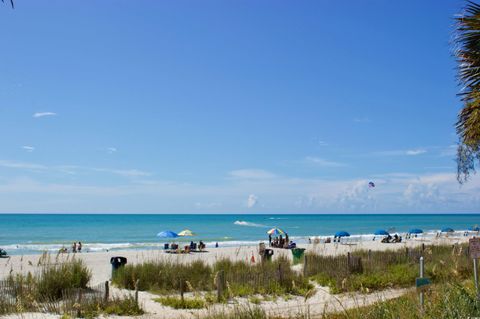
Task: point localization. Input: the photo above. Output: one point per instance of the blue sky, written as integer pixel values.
(229, 106)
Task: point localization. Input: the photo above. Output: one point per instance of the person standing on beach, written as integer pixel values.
(79, 247)
(74, 247)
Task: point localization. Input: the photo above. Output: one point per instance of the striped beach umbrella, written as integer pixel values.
(275, 232)
(186, 232)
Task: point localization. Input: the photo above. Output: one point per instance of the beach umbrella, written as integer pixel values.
(447, 230)
(186, 232)
(415, 231)
(275, 232)
(342, 234)
(167, 234)
(381, 232)
(474, 228)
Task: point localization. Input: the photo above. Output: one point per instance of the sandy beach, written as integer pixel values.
(99, 264)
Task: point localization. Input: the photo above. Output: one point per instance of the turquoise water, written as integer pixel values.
(34, 233)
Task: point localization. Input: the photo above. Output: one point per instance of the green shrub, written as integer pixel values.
(123, 306)
(179, 303)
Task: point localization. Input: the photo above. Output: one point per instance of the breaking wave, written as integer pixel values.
(248, 224)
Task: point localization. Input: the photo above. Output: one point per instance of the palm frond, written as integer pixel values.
(468, 59)
(11, 3)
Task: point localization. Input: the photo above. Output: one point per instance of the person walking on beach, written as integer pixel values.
(79, 247)
(74, 247)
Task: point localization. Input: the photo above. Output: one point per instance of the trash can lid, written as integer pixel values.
(118, 259)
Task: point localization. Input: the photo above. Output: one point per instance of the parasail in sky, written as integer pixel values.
(371, 184)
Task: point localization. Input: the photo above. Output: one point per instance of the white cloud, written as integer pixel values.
(252, 200)
(72, 169)
(415, 152)
(88, 191)
(411, 152)
(28, 148)
(251, 174)
(323, 162)
(358, 196)
(111, 150)
(423, 195)
(124, 172)
(42, 114)
(22, 165)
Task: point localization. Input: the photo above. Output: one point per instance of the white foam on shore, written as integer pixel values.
(27, 248)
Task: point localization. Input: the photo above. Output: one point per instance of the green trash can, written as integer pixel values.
(298, 255)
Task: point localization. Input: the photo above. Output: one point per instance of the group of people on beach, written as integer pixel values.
(280, 242)
(77, 247)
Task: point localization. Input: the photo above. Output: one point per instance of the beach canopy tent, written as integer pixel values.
(167, 234)
(474, 228)
(381, 232)
(275, 232)
(186, 232)
(415, 231)
(447, 230)
(342, 234)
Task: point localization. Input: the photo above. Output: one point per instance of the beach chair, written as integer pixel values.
(166, 246)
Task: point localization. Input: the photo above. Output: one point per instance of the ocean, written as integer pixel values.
(36, 233)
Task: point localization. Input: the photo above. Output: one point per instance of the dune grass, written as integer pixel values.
(241, 278)
(52, 280)
(57, 288)
(386, 269)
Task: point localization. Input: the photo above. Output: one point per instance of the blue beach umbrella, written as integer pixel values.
(167, 234)
(415, 231)
(342, 234)
(381, 232)
(447, 230)
(474, 228)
